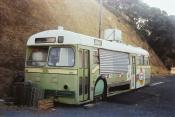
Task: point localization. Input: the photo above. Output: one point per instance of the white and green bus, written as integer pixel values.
(75, 68)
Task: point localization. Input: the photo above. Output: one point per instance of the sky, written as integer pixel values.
(166, 5)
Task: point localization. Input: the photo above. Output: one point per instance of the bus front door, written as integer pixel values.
(84, 76)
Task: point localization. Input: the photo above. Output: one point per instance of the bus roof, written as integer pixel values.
(76, 38)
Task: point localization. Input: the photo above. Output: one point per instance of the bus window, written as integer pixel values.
(145, 60)
(86, 60)
(37, 56)
(137, 60)
(148, 61)
(81, 58)
(54, 56)
(61, 57)
(95, 57)
(141, 60)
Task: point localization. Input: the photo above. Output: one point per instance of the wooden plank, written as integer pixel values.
(45, 104)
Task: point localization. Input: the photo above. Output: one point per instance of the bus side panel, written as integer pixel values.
(114, 66)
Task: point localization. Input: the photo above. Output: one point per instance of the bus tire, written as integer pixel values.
(100, 89)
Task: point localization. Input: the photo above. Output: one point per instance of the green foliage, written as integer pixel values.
(152, 24)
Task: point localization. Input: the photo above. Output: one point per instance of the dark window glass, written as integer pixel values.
(45, 40)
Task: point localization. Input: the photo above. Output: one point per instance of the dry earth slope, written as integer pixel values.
(21, 18)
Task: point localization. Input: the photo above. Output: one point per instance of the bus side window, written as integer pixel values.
(95, 57)
(141, 60)
(148, 61)
(145, 60)
(137, 60)
(86, 60)
(81, 58)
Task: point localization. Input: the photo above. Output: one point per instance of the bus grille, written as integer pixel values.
(57, 93)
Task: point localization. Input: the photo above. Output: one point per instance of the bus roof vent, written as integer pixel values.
(60, 28)
(113, 35)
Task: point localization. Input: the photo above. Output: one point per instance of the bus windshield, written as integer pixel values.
(37, 56)
(61, 57)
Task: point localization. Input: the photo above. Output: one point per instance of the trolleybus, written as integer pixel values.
(75, 68)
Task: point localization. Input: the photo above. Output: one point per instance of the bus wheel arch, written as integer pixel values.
(100, 84)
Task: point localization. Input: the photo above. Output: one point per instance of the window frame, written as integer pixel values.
(28, 52)
(60, 51)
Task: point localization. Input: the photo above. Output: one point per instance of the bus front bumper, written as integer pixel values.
(58, 93)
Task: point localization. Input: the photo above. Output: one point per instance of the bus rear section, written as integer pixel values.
(53, 69)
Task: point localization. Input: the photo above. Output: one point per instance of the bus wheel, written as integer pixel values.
(99, 90)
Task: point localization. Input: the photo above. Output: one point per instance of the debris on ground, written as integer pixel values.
(87, 106)
(2, 102)
(45, 104)
(9, 101)
(26, 94)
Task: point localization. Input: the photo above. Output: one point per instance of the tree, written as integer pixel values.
(152, 24)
